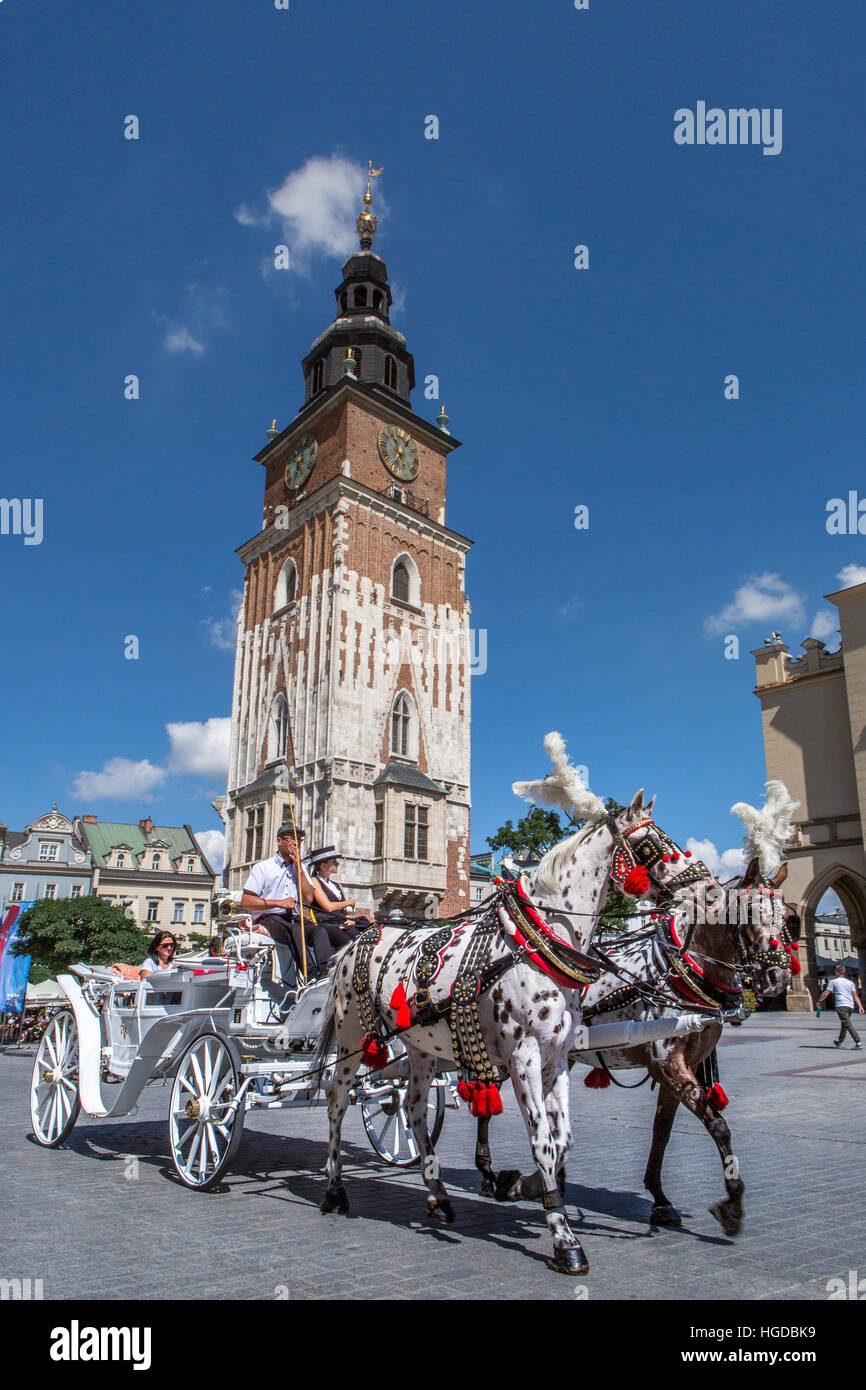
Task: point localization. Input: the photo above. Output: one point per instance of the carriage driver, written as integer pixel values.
(271, 892)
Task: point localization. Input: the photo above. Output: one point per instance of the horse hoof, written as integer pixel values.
(666, 1216)
(508, 1185)
(440, 1209)
(569, 1261)
(488, 1188)
(730, 1221)
(335, 1201)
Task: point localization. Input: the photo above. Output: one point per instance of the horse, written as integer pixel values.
(493, 993)
(751, 929)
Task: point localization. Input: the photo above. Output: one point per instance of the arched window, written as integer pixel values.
(401, 727)
(278, 734)
(378, 301)
(391, 373)
(287, 584)
(400, 584)
(319, 375)
(154, 863)
(406, 581)
(361, 297)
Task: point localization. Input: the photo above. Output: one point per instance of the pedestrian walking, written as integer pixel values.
(845, 998)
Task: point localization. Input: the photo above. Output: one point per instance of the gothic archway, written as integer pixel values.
(850, 888)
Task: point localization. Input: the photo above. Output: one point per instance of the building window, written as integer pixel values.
(391, 373)
(278, 730)
(17, 893)
(361, 297)
(380, 830)
(344, 302)
(287, 585)
(479, 893)
(154, 863)
(255, 834)
(401, 719)
(198, 912)
(400, 582)
(152, 910)
(319, 375)
(359, 359)
(75, 891)
(47, 851)
(378, 301)
(190, 866)
(177, 913)
(415, 832)
(51, 891)
(121, 860)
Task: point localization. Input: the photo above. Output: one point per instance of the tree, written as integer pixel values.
(59, 933)
(539, 831)
(197, 941)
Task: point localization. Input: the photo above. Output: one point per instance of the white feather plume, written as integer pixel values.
(563, 787)
(768, 829)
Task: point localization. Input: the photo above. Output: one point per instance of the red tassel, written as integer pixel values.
(717, 1098)
(374, 1053)
(464, 1090)
(597, 1079)
(398, 1002)
(796, 967)
(636, 882)
(486, 1099)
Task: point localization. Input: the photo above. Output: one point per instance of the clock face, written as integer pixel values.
(399, 453)
(301, 460)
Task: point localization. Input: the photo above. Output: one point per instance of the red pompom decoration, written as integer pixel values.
(464, 1090)
(796, 967)
(637, 882)
(687, 853)
(717, 1098)
(596, 1080)
(398, 1002)
(374, 1053)
(486, 1100)
(666, 858)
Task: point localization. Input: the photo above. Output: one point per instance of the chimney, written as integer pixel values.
(88, 820)
(146, 825)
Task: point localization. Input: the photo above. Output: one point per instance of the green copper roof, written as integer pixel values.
(103, 836)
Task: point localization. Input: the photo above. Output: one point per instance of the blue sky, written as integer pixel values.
(602, 387)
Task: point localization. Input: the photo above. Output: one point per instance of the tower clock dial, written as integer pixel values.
(399, 453)
(301, 461)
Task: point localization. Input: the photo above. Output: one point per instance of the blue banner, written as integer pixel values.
(14, 970)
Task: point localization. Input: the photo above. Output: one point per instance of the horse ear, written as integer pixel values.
(780, 876)
(751, 874)
(648, 808)
(635, 805)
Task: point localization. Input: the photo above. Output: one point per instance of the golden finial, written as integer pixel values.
(366, 224)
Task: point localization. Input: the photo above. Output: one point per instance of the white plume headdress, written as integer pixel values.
(770, 828)
(563, 787)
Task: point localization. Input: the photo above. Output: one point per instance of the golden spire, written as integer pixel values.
(366, 224)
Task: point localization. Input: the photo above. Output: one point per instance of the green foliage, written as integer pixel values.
(197, 941)
(61, 933)
(538, 831)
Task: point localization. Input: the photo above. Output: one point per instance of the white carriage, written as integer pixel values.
(230, 1034)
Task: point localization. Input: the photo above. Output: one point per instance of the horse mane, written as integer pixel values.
(768, 829)
(565, 789)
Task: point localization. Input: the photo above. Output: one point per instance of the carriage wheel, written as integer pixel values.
(203, 1129)
(383, 1110)
(54, 1099)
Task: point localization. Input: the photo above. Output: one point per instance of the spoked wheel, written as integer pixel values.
(383, 1110)
(54, 1099)
(204, 1129)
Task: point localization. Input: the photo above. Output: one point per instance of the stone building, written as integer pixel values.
(351, 699)
(813, 709)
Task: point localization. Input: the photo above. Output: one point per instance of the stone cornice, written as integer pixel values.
(342, 488)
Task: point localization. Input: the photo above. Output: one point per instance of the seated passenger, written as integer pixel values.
(160, 956)
(337, 913)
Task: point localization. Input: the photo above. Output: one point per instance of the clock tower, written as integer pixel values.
(351, 692)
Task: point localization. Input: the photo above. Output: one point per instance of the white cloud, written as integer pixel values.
(202, 749)
(764, 598)
(398, 297)
(851, 575)
(317, 207)
(729, 863)
(568, 609)
(824, 624)
(222, 632)
(122, 778)
(181, 340)
(213, 842)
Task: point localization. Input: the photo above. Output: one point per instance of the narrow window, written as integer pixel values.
(319, 375)
(198, 912)
(344, 302)
(154, 863)
(380, 830)
(378, 301)
(190, 866)
(17, 892)
(152, 910)
(359, 358)
(391, 373)
(409, 832)
(121, 860)
(422, 832)
(177, 914)
(400, 719)
(361, 297)
(400, 582)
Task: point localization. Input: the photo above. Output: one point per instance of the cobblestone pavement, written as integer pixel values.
(78, 1220)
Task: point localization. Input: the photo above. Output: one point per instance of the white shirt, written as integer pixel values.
(842, 990)
(271, 879)
(150, 964)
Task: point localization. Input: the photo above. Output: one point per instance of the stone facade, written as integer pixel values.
(351, 702)
(813, 709)
(47, 859)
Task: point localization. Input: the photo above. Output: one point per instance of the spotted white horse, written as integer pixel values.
(525, 1018)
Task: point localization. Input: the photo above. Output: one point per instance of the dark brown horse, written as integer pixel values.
(670, 966)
